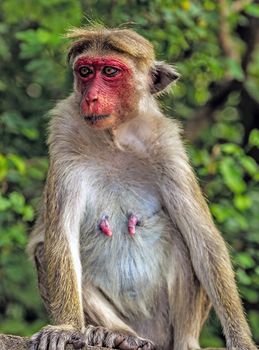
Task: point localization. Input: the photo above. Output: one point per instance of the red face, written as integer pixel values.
(106, 86)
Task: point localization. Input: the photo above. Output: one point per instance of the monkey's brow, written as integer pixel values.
(78, 48)
(109, 46)
(81, 46)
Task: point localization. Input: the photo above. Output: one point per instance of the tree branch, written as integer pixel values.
(205, 114)
(251, 40)
(12, 342)
(225, 38)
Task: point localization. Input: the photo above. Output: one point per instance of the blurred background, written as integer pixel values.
(215, 47)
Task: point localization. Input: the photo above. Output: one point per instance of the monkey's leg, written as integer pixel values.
(42, 275)
(109, 330)
(188, 318)
(189, 303)
(59, 336)
(119, 335)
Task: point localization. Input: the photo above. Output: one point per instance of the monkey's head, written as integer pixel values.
(114, 71)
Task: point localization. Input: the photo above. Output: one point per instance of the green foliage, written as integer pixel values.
(225, 143)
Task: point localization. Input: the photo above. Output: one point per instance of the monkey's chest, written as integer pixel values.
(125, 265)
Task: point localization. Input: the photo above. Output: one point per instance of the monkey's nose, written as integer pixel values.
(91, 97)
(91, 101)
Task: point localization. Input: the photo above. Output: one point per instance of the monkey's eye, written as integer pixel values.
(110, 71)
(84, 71)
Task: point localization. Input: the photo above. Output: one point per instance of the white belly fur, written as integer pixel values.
(128, 270)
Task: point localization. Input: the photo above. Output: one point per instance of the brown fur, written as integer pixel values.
(119, 41)
(159, 283)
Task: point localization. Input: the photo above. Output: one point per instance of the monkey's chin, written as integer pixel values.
(99, 121)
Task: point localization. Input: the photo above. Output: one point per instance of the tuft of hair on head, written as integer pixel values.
(123, 41)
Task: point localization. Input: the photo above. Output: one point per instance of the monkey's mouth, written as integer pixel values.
(95, 118)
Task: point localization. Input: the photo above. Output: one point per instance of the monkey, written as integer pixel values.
(126, 250)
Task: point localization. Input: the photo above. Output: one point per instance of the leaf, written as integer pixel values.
(231, 148)
(245, 260)
(235, 69)
(232, 175)
(254, 138)
(243, 277)
(31, 133)
(252, 9)
(242, 202)
(220, 212)
(253, 317)
(3, 167)
(249, 164)
(250, 295)
(17, 234)
(4, 204)
(18, 162)
(28, 213)
(17, 200)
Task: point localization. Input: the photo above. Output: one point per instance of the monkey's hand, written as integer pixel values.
(243, 346)
(103, 337)
(56, 338)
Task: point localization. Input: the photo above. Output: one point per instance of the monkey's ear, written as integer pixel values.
(162, 75)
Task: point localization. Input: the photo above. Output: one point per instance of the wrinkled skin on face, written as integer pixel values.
(106, 85)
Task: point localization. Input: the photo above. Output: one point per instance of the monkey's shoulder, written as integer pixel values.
(145, 133)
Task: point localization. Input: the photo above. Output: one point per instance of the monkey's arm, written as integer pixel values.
(63, 264)
(210, 259)
(63, 208)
